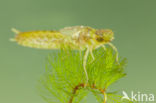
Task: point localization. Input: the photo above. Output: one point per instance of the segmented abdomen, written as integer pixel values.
(41, 39)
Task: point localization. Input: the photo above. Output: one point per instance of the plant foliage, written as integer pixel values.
(64, 78)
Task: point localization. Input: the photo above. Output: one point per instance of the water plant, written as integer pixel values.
(64, 78)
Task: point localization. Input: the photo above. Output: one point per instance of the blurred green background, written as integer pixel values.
(133, 21)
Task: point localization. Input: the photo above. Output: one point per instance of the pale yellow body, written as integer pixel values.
(76, 38)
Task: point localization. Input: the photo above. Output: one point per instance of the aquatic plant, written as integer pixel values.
(64, 78)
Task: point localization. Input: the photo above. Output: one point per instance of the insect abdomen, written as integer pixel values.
(40, 39)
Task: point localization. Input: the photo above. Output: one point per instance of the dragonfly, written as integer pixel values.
(82, 38)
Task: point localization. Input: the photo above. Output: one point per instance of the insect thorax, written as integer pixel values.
(80, 36)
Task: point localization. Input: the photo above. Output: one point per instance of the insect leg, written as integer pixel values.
(115, 49)
(104, 47)
(84, 64)
(91, 53)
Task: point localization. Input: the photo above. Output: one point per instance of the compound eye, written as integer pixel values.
(100, 39)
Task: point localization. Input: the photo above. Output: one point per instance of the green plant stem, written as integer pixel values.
(74, 91)
(82, 85)
(105, 96)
